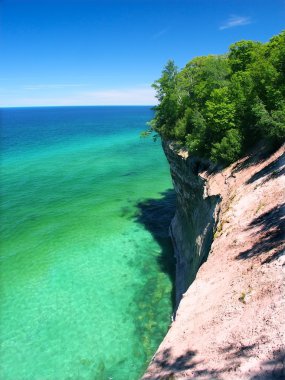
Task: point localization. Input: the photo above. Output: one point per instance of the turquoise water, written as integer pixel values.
(85, 258)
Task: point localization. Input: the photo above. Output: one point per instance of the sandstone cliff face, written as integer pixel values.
(193, 226)
(230, 323)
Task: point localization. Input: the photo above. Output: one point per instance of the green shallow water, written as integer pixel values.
(85, 268)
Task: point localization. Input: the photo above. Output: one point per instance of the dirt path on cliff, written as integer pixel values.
(230, 322)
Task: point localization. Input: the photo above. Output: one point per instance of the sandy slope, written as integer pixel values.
(231, 321)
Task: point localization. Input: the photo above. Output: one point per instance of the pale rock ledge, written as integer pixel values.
(229, 226)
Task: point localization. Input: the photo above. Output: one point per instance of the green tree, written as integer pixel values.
(220, 113)
(241, 54)
(229, 149)
(218, 106)
(166, 110)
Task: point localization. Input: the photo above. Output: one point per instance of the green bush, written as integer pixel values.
(228, 150)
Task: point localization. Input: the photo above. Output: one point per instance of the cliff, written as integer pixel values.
(193, 225)
(228, 237)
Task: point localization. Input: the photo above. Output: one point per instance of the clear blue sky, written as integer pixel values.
(59, 52)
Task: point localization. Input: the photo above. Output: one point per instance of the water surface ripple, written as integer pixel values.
(86, 278)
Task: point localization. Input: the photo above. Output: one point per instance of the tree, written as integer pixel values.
(218, 106)
(220, 113)
(166, 111)
(241, 54)
(229, 149)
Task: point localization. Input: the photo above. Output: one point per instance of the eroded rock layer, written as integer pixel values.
(193, 225)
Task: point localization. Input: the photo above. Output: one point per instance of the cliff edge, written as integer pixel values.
(228, 237)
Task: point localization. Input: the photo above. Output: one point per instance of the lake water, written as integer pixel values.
(86, 263)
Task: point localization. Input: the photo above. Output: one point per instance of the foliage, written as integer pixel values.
(219, 105)
(229, 148)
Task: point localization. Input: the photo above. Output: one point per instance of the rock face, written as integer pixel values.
(229, 226)
(192, 228)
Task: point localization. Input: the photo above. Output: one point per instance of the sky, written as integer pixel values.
(109, 52)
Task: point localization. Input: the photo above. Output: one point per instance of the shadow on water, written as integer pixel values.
(156, 215)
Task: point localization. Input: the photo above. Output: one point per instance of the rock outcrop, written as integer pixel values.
(193, 226)
(230, 224)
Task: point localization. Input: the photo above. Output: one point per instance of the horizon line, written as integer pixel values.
(87, 105)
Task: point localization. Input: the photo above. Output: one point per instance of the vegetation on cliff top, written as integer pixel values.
(219, 105)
